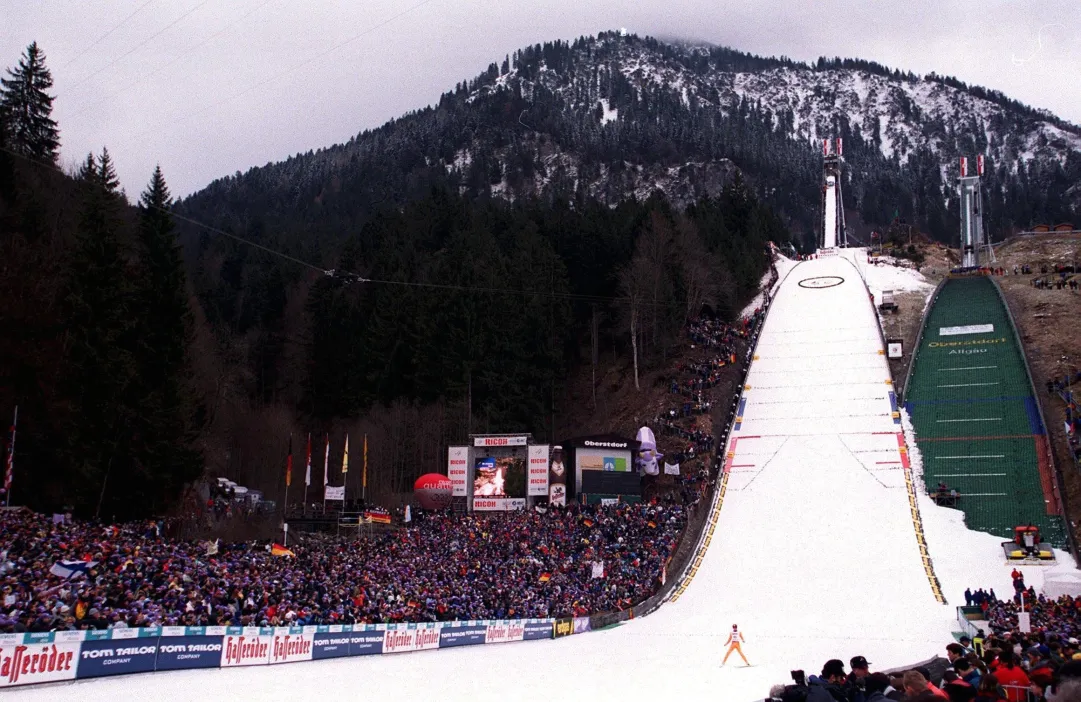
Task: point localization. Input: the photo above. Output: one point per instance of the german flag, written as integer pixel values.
(545, 577)
(279, 550)
(587, 522)
(652, 525)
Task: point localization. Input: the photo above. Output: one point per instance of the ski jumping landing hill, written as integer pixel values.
(816, 553)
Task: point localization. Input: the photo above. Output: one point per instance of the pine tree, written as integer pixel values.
(164, 299)
(163, 432)
(26, 108)
(99, 367)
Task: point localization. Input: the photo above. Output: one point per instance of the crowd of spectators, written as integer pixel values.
(995, 669)
(1063, 387)
(442, 567)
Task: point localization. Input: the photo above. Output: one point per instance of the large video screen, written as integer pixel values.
(499, 476)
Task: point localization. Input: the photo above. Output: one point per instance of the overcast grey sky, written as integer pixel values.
(209, 87)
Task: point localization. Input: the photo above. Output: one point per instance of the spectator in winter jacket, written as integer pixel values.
(960, 691)
(856, 683)
(916, 689)
(896, 690)
(1040, 669)
(1011, 677)
(989, 689)
(955, 651)
(967, 673)
(876, 685)
(830, 686)
(940, 694)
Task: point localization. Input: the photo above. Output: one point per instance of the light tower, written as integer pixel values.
(972, 237)
(833, 219)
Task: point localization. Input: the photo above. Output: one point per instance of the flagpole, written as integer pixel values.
(10, 468)
(288, 479)
(364, 475)
(307, 473)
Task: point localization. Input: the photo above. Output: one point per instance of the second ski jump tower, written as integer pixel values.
(833, 212)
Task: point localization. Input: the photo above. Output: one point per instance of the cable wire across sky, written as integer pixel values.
(351, 277)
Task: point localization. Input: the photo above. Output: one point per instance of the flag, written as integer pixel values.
(326, 463)
(308, 470)
(364, 473)
(71, 569)
(670, 469)
(279, 550)
(345, 456)
(545, 577)
(587, 522)
(10, 458)
(598, 569)
(289, 464)
(652, 525)
(212, 548)
(378, 517)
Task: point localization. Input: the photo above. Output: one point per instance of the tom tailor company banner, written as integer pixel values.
(26, 659)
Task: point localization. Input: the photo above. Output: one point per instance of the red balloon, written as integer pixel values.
(433, 491)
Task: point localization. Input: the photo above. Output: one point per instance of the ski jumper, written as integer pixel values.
(734, 640)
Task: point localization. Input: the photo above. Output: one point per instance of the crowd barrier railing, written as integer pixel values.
(26, 659)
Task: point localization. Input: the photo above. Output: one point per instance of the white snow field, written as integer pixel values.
(814, 555)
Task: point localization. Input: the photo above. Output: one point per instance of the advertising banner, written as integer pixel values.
(500, 440)
(603, 462)
(557, 478)
(538, 471)
(28, 663)
(535, 631)
(562, 627)
(504, 632)
(402, 640)
(366, 643)
(581, 625)
(497, 504)
(461, 636)
(333, 493)
(457, 470)
(243, 649)
(289, 647)
(99, 658)
(183, 652)
(327, 645)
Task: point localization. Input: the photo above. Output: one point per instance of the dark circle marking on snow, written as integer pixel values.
(823, 281)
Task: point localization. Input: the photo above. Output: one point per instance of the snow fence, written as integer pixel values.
(27, 659)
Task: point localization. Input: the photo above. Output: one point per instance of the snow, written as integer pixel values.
(815, 553)
(783, 264)
(891, 274)
(611, 114)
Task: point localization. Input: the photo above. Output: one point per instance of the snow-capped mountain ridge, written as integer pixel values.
(619, 116)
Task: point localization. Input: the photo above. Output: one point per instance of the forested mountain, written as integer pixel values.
(614, 116)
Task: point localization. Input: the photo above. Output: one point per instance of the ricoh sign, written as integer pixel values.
(487, 441)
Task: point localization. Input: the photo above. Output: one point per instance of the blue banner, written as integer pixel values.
(365, 643)
(182, 652)
(329, 645)
(462, 635)
(537, 630)
(116, 657)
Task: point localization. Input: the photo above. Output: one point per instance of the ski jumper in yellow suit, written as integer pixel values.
(734, 640)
